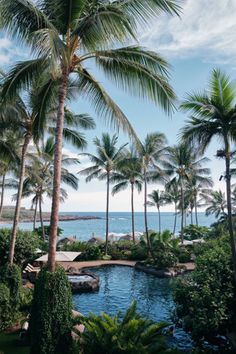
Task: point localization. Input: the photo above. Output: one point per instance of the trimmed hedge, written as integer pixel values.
(51, 314)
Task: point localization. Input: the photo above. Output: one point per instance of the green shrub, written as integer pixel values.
(194, 232)
(10, 275)
(91, 253)
(5, 307)
(164, 259)
(51, 314)
(114, 335)
(138, 252)
(206, 301)
(183, 254)
(26, 244)
(77, 246)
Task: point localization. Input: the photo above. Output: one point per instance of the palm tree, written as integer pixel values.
(9, 162)
(128, 173)
(157, 199)
(183, 162)
(151, 152)
(216, 203)
(213, 115)
(66, 35)
(195, 185)
(104, 163)
(172, 195)
(39, 177)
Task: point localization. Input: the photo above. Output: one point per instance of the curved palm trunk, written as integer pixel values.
(229, 207)
(196, 211)
(159, 219)
(18, 199)
(107, 211)
(41, 217)
(145, 213)
(132, 211)
(2, 193)
(35, 213)
(57, 173)
(175, 220)
(182, 212)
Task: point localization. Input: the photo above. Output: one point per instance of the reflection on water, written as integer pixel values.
(120, 285)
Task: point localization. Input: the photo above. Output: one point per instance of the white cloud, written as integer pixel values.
(206, 28)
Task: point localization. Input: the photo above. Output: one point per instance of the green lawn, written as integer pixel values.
(8, 345)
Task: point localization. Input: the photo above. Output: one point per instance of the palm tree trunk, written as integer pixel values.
(175, 220)
(159, 219)
(18, 199)
(2, 193)
(57, 172)
(182, 212)
(41, 217)
(35, 213)
(132, 211)
(196, 212)
(145, 213)
(229, 207)
(191, 215)
(107, 211)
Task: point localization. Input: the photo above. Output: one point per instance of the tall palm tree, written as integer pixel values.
(39, 177)
(198, 184)
(213, 115)
(182, 162)
(104, 163)
(172, 195)
(151, 153)
(9, 162)
(157, 199)
(128, 173)
(64, 36)
(216, 203)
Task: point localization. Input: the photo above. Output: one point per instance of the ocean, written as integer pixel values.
(120, 223)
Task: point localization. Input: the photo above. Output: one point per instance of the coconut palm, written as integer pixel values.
(216, 203)
(195, 185)
(128, 173)
(104, 163)
(66, 35)
(157, 199)
(39, 177)
(182, 162)
(9, 161)
(213, 116)
(172, 195)
(151, 152)
(25, 120)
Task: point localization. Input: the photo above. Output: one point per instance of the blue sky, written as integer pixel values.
(202, 39)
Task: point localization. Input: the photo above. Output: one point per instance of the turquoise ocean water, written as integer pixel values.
(120, 222)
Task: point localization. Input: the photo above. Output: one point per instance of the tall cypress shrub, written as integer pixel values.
(51, 314)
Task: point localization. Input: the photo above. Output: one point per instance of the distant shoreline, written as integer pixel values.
(47, 219)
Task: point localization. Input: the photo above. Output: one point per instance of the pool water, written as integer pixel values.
(120, 285)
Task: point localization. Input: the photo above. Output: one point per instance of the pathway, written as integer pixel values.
(90, 264)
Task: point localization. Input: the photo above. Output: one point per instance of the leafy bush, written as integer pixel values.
(51, 314)
(5, 307)
(114, 335)
(138, 252)
(77, 246)
(194, 232)
(206, 300)
(10, 275)
(26, 244)
(91, 253)
(164, 259)
(183, 254)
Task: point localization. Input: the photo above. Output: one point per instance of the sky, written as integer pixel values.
(203, 38)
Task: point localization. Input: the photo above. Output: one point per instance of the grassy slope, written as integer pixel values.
(8, 346)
